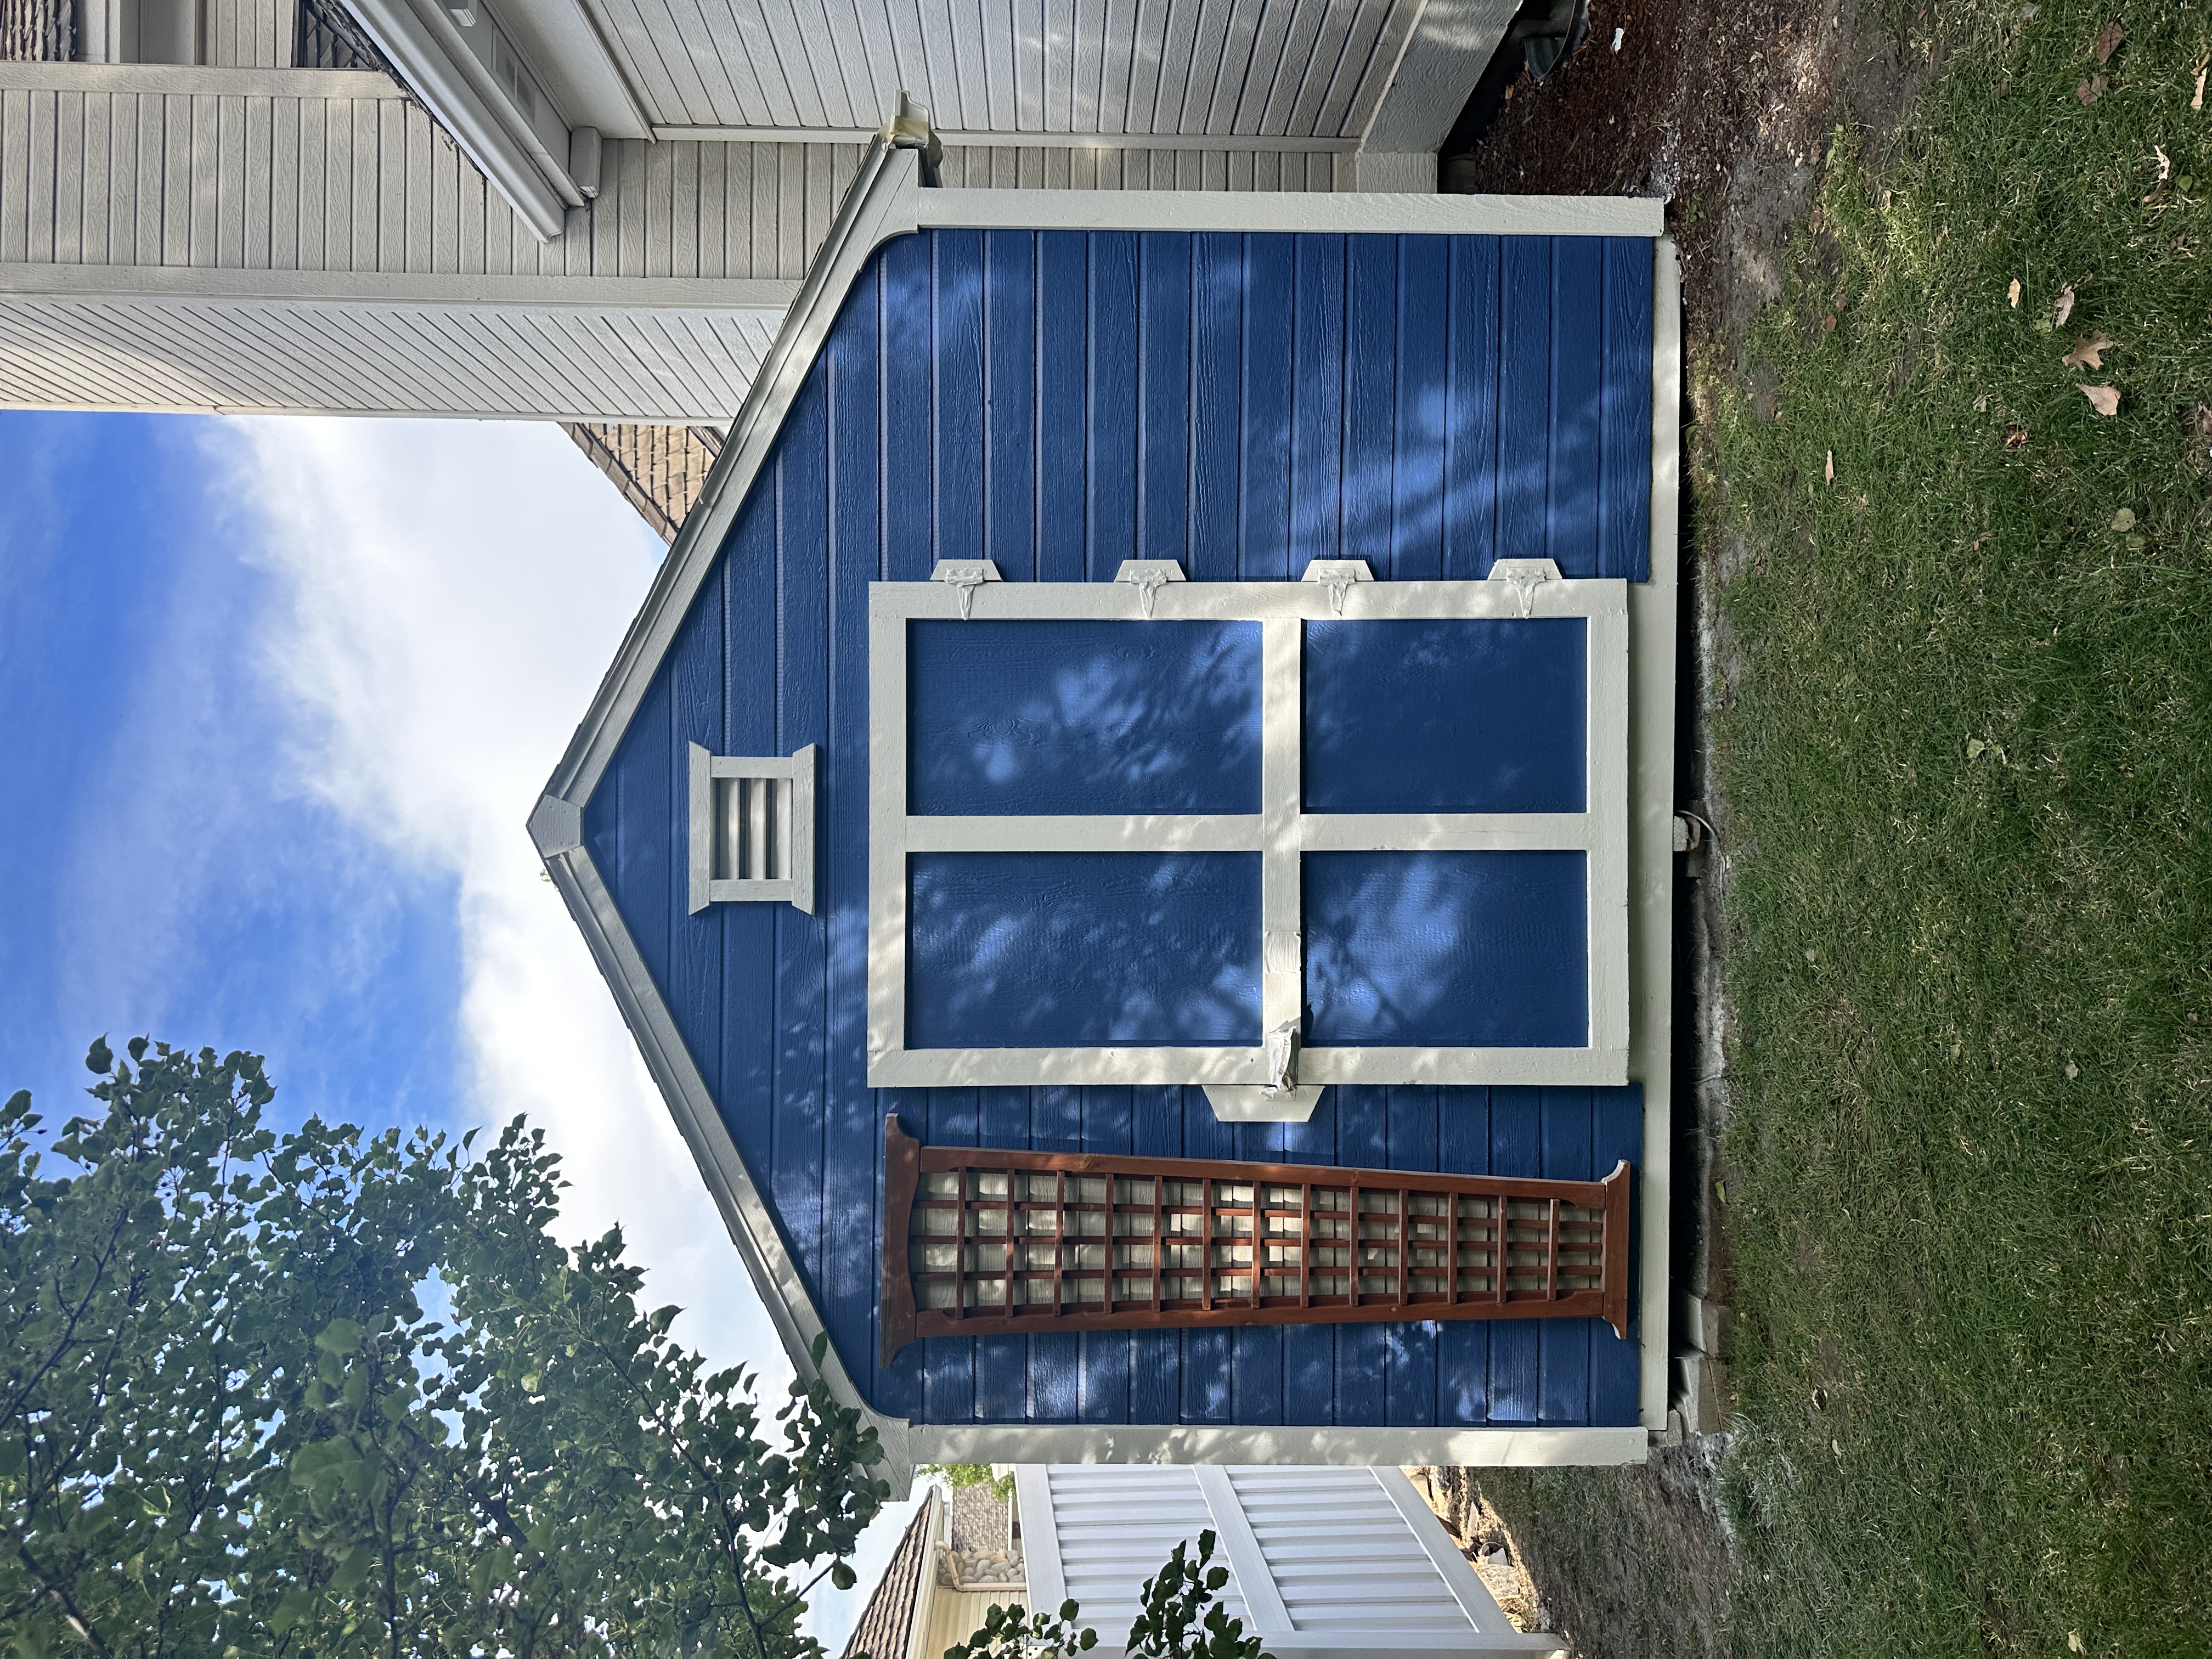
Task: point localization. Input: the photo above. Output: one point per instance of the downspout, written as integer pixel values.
(445, 74)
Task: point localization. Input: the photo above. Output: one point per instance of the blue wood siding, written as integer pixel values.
(1060, 402)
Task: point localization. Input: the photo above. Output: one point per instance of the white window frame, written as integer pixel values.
(796, 887)
(1281, 832)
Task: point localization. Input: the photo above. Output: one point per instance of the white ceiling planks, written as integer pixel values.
(1279, 68)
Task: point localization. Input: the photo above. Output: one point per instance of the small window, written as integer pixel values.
(752, 830)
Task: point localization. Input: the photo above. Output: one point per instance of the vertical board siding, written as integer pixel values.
(1215, 70)
(1059, 402)
(228, 178)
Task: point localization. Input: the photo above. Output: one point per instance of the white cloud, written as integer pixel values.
(454, 592)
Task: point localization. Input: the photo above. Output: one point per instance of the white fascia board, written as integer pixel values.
(766, 297)
(571, 59)
(1651, 622)
(1445, 55)
(445, 74)
(188, 79)
(1141, 1442)
(1337, 214)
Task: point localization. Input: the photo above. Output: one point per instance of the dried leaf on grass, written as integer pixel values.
(1982, 405)
(2197, 102)
(2108, 42)
(2165, 163)
(2065, 305)
(2089, 353)
(2015, 437)
(2105, 399)
(2091, 89)
(1832, 467)
(2011, 294)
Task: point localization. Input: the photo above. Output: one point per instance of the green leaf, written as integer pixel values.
(100, 1058)
(340, 1336)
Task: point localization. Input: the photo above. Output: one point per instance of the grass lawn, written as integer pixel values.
(1971, 954)
(1969, 760)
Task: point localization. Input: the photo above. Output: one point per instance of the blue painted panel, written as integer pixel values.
(1422, 417)
(1078, 717)
(1463, 1346)
(1618, 1132)
(1456, 716)
(1524, 399)
(1010, 365)
(1061, 403)
(1082, 950)
(1471, 430)
(1625, 494)
(1577, 353)
(1317, 403)
(1563, 1353)
(1453, 950)
(1516, 1149)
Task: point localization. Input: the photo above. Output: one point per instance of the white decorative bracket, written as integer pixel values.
(1148, 576)
(964, 577)
(1526, 575)
(1340, 576)
(1239, 1103)
(1281, 1055)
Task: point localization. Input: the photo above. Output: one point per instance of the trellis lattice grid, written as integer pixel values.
(977, 1240)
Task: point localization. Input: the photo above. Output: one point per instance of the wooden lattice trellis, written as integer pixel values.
(977, 1241)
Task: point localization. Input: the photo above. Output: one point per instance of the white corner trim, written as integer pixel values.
(184, 80)
(976, 138)
(469, 103)
(1047, 1578)
(1467, 1589)
(1247, 1563)
(1142, 1443)
(768, 299)
(1342, 213)
(1652, 623)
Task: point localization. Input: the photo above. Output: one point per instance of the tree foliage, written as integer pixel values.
(1182, 1616)
(320, 1392)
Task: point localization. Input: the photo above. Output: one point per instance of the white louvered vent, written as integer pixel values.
(1341, 1555)
(752, 828)
(1325, 1562)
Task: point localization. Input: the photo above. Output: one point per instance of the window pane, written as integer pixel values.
(1060, 718)
(1082, 950)
(1451, 716)
(1447, 950)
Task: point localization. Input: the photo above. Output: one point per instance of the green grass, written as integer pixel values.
(1970, 766)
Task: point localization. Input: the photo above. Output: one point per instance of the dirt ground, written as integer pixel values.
(1726, 108)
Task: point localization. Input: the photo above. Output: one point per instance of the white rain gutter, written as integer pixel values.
(438, 66)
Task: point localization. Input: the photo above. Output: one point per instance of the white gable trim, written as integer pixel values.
(887, 199)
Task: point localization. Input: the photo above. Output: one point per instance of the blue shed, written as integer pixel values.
(1133, 829)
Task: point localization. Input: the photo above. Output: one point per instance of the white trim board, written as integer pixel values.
(1281, 833)
(886, 200)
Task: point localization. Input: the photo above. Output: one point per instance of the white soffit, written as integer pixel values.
(1305, 71)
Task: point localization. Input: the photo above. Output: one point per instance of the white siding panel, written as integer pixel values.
(1341, 1554)
(1115, 1526)
(1217, 66)
(1331, 1557)
(566, 363)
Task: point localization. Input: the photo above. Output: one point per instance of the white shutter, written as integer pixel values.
(1326, 1563)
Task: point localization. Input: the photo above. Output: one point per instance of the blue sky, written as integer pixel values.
(276, 698)
(169, 870)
